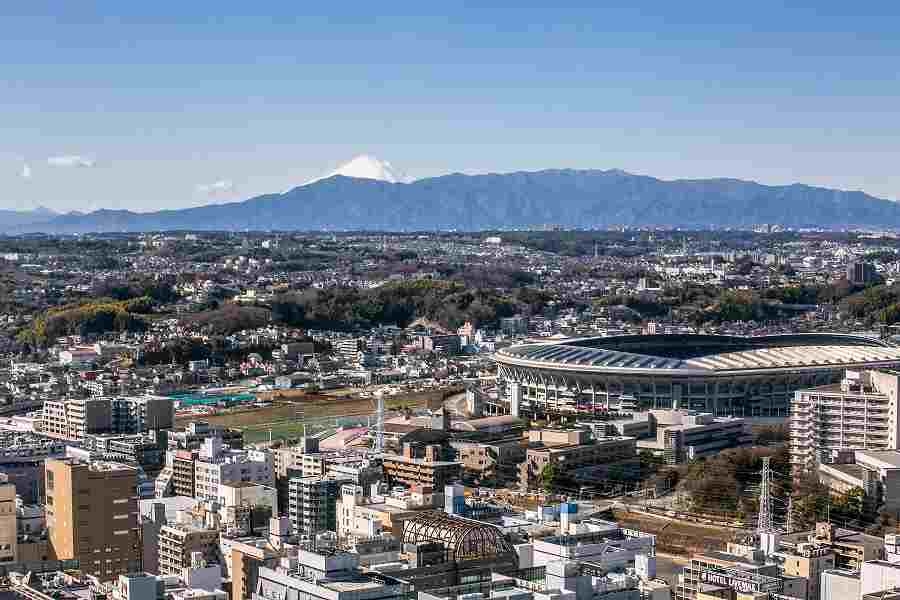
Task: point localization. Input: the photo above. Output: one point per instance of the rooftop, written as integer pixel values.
(703, 353)
(889, 459)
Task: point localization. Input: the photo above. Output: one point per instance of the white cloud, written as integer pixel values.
(26, 171)
(223, 186)
(71, 160)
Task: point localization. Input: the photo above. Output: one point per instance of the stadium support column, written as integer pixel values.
(515, 397)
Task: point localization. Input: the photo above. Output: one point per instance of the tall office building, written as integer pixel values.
(860, 413)
(92, 515)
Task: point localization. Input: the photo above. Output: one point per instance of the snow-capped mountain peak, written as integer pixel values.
(365, 166)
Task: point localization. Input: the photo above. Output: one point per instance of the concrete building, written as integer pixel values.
(839, 584)
(860, 272)
(216, 464)
(441, 344)
(683, 435)
(808, 561)
(884, 468)
(364, 473)
(570, 450)
(192, 436)
(244, 556)
(859, 413)
(851, 548)
(490, 461)
(358, 513)
(184, 472)
(74, 419)
(313, 505)
(878, 576)
(22, 456)
(92, 515)
(8, 526)
(353, 522)
(738, 573)
(335, 576)
(178, 542)
(246, 493)
(724, 375)
(287, 464)
(152, 521)
(420, 465)
(443, 550)
(603, 543)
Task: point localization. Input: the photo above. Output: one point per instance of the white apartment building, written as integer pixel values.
(216, 465)
(860, 413)
(351, 522)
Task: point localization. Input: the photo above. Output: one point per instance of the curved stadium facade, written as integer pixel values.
(724, 375)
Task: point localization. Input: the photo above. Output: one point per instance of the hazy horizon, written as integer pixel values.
(173, 105)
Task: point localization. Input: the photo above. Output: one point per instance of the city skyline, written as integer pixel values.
(123, 107)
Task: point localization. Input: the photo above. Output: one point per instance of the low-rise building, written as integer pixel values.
(423, 468)
(569, 450)
(683, 435)
(74, 419)
(335, 576)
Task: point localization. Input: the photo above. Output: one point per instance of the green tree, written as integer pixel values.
(549, 477)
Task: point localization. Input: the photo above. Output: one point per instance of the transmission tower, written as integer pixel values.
(379, 422)
(765, 524)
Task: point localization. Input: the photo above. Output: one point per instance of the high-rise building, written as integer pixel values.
(860, 413)
(860, 273)
(313, 504)
(7, 520)
(92, 515)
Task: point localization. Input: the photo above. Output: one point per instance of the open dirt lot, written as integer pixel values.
(289, 410)
(675, 537)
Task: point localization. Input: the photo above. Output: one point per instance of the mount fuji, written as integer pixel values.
(366, 166)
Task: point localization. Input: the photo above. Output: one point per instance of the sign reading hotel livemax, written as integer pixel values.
(741, 581)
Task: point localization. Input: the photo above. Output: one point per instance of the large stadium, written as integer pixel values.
(724, 375)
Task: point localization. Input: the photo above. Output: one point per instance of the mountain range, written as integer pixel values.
(375, 197)
(15, 218)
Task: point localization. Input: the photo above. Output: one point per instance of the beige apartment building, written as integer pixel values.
(8, 545)
(568, 450)
(92, 515)
(178, 542)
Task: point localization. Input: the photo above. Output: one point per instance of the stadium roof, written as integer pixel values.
(703, 353)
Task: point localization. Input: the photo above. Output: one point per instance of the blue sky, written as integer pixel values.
(151, 105)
